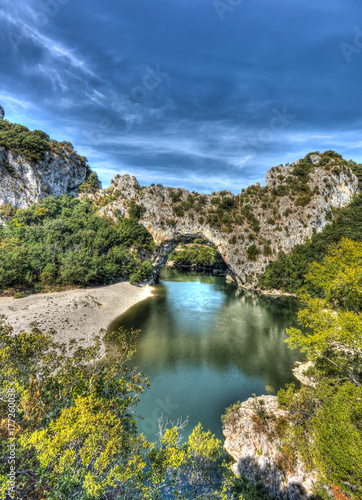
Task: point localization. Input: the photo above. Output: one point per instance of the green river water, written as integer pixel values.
(204, 347)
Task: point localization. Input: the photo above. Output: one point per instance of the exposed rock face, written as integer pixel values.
(301, 374)
(280, 224)
(257, 450)
(24, 182)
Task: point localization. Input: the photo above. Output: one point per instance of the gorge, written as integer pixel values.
(204, 343)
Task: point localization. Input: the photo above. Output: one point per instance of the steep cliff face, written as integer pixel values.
(24, 182)
(248, 229)
(252, 439)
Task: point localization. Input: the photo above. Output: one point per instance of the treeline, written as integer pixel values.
(63, 242)
(288, 272)
(198, 255)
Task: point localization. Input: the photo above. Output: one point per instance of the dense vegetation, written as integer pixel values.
(63, 242)
(75, 435)
(288, 271)
(328, 419)
(74, 431)
(31, 143)
(198, 255)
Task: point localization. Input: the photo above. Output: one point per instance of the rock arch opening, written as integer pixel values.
(190, 252)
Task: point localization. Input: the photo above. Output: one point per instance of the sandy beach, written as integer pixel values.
(74, 314)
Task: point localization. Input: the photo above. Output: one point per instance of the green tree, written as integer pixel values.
(339, 277)
(63, 241)
(333, 324)
(76, 435)
(336, 432)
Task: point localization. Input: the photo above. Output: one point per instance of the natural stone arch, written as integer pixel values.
(164, 218)
(165, 248)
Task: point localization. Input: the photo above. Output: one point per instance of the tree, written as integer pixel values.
(333, 324)
(339, 277)
(253, 252)
(337, 438)
(62, 241)
(76, 435)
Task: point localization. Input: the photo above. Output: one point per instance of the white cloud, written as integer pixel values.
(13, 102)
(25, 21)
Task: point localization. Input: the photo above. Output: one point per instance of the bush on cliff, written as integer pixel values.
(31, 143)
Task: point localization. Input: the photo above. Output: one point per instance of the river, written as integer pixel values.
(205, 346)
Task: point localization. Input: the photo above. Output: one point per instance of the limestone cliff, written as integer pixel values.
(248, 229)
(252, 439)
(24, 182)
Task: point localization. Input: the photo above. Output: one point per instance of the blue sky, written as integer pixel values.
(202, 94)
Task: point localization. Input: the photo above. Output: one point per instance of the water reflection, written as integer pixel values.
(205, 346)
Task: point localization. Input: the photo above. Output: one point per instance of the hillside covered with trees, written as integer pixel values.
(64, 242)
(32, 144)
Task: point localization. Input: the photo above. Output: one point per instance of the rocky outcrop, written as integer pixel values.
(252, 439)
(268, 219)
(24, 182)
(301, 373)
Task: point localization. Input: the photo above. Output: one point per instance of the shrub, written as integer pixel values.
(176, 195)
(178, 211)
(303, 201)
(136, 211)
(267, 251)
(91, 184)
(31, 144)
(252, 252)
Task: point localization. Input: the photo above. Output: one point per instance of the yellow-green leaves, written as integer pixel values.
(339, 277)
(333, 323)
(337, 438)
(90, 444)
(203, 445)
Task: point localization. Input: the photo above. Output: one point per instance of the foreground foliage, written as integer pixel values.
(327, 419)
(75, 433)
(62, 241)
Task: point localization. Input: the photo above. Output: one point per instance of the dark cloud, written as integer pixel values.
(171, 93)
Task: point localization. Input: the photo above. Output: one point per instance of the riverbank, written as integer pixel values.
(74, 314)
